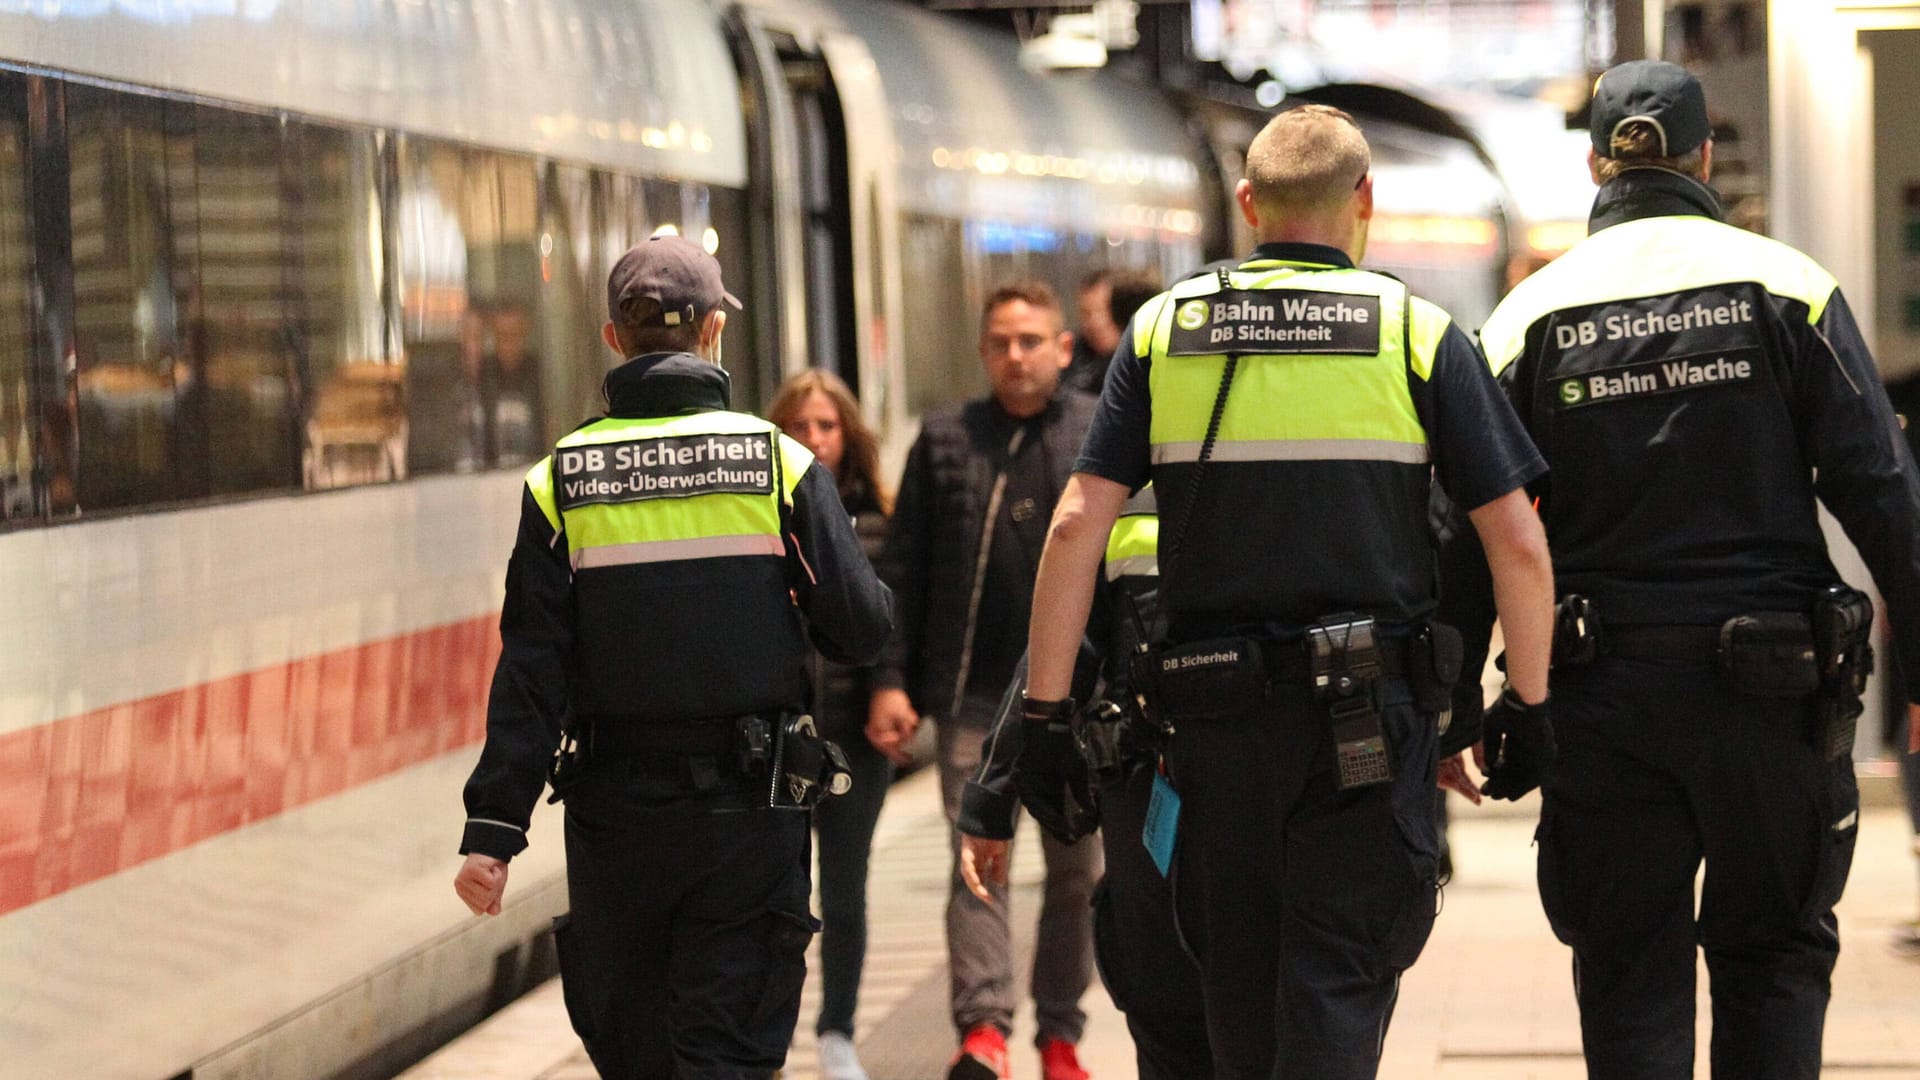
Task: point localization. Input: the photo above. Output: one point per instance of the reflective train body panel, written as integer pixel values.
(290, 293)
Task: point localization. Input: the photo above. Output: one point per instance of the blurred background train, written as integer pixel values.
(291, 292)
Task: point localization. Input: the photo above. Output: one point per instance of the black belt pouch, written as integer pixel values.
(1437, 655)
(1769, 654)
(1212, 679)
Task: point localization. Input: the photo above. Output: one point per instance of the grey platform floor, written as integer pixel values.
(1491, 998)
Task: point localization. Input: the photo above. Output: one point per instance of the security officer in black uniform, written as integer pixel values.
(653, 632)
(1695, 388)
(1107, 782)
(1291, 414)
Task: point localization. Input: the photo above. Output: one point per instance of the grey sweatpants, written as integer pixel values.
(979, 939)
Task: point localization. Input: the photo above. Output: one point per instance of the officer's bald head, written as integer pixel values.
(1307, 162)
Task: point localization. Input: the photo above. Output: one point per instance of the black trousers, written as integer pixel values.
(1146, 970)
(1660, 768)
(684, 953)
(1302, 903)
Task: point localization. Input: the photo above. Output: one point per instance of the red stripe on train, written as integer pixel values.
(91, 795)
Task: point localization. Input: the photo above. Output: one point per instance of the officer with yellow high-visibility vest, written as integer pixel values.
(674, 558)
(1292, 414)
(1695, 388)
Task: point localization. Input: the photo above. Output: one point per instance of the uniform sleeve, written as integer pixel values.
(988, 800)
(1865, 471)
(849, 611)
(1466, 604)
(528, 699)
(1117, 446)
(903, 566)
(1480, 449)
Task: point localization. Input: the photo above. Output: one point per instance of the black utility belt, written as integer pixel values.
(1342, 658)
(799, 767)
(1822, 655)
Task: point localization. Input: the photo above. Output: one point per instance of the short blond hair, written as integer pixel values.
(1307, 160)
(1637, 145)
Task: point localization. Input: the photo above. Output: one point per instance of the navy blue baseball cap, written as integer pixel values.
(1667, 96)
(674, 273)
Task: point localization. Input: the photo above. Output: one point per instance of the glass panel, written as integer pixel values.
(442, 343)
(470, 264)
(755, 371)
(131, 181)
(239, 332)
(942, 362)
(355, 421)
(18, 432)
(517, 432)
(573, 305)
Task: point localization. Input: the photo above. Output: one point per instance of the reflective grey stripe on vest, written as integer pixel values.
(1295, 450)
(705, 547)
(1133, 566)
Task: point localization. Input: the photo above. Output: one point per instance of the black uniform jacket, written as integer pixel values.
(1694, 387)
(848, 618)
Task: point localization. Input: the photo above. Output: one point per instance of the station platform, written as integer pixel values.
(1490, 999)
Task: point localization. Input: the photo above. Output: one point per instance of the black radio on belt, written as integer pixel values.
(1346, 664)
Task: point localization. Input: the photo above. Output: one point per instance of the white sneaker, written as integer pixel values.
(837, 1059)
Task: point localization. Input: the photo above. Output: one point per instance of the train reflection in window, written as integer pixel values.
(18, 418)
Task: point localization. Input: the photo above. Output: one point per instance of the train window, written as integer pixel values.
(354, 423)
(238, 192)
(726, 236)
(573, 305)
(130, 173)
(18, 431)
(470, 267)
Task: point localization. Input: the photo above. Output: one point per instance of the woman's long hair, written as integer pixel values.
(860, 459)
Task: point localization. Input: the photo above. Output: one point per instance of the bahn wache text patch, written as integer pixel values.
(663, 469)
(1276, 321)
(1701, 371)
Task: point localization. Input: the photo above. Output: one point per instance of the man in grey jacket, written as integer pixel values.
(979, 488)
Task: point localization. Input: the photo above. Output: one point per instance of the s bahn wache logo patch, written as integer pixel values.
(1277, 322)
(1572, 393)
(1192, 315)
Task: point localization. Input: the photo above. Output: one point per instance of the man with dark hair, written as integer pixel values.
(652, 632)
(1129, 291)
(1696, 389)
(980, 484)
(1097, 332)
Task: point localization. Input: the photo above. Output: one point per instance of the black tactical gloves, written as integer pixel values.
(1051, 772)
(1519, 747)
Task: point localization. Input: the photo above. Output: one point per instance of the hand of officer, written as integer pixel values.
(891, 721)
(481, 882)
(1518, 747)
(1051, 772)
(983, 864)
(1453, 776)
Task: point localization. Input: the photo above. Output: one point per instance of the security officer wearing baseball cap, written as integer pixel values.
(1292, 414)
(673, 560)
(1695, 389)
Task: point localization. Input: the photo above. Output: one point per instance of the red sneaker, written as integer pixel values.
(983, 1056)
(1058, 1061)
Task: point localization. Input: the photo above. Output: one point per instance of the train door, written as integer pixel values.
(822, 146)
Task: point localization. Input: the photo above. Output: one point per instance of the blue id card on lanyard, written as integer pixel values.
(1163, 822)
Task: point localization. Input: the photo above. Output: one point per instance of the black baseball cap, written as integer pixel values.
(674, 273)
(1662, 94)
